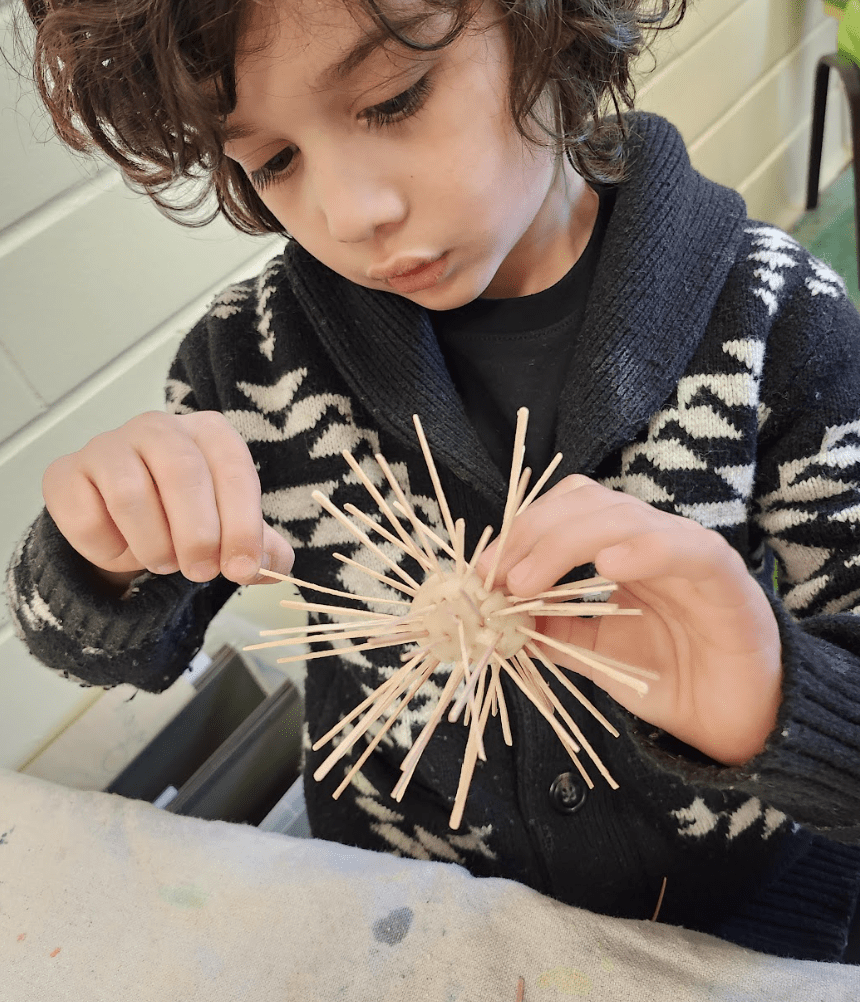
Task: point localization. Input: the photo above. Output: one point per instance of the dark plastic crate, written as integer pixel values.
(230, 754)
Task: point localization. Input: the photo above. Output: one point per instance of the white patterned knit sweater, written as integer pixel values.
(719, 378)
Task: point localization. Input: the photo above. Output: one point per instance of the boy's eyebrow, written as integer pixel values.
(349, 63)
(339, 70)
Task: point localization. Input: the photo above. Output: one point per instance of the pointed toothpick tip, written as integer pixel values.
(266, 573)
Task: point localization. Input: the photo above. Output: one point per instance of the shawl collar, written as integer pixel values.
(671, 242)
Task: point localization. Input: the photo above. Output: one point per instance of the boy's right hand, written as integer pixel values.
(166, 493)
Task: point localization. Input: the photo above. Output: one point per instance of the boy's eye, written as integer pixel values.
(400, 107)
(273, 169)
(396, 109)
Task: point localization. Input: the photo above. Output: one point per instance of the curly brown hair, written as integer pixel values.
(150, 83)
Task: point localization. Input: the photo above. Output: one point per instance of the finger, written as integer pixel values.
(699, 556)
(546, 509)
(557, 544)
(278, 555)
(236, 489)
(699, 571)
(80, 514)
(184, 483)
(120, 479)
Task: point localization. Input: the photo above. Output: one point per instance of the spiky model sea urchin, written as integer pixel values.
(457, 618)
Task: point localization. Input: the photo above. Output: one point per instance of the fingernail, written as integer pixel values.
(275, 568)
(616, 554)
(205, 570)
(165, 569)
(241, 568)
(518, 576)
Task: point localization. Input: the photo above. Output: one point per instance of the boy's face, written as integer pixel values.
(409, 160)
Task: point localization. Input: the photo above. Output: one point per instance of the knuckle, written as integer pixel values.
(234, 474)
(705, 537)
(125, 493)
(722, 550)
(209, 423)
(199, 551)
(199, 540)
(624, 513)
(150, 422)
(56, 476)
(185, 466)
(712, 545)
(574, 481)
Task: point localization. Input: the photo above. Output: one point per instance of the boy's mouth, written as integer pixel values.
(411, 274)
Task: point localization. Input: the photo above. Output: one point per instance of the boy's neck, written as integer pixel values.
(557, 240)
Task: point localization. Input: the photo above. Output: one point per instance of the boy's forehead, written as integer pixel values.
(344, 27)
(313, 46)
(321, 44)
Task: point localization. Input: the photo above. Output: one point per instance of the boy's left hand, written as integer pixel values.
(706, 626)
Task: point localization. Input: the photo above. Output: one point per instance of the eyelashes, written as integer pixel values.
(272, 170)
(387, 113)
(400, 107)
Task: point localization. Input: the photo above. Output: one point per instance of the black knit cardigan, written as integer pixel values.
(719, 379)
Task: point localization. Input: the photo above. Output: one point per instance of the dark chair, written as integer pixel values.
(847, 63)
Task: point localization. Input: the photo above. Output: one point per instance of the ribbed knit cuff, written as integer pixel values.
(98, 638)
(811, 761)
(805, 913)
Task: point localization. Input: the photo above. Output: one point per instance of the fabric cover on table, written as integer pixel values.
(103, 898)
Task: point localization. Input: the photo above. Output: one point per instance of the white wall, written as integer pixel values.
(736, 78)
(96, 287)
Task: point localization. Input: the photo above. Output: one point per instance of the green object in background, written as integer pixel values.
(848, 37)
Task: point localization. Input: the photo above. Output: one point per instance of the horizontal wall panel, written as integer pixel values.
(125, 269)
(135, 384)
(36, 703)
(777, 190)
(748, 134)
(700, 18)
(100, 743)
(703, 83)
(19, 403)
(35, 167)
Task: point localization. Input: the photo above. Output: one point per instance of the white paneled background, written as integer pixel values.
(96, 287)
(736, 78)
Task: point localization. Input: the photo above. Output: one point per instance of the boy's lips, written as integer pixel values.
(411, 274)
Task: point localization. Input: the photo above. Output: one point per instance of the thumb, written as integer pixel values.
(278, 555)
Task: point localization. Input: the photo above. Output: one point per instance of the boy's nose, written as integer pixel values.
(356, 203)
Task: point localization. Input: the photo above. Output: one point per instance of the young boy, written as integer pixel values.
(471, 235)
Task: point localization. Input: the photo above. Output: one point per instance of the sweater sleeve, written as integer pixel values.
(808, 511)
(68, 621)
(805, 510)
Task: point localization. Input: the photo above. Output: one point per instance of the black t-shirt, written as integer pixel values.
(504, 354)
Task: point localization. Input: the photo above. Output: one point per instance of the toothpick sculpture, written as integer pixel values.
(459, 619)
